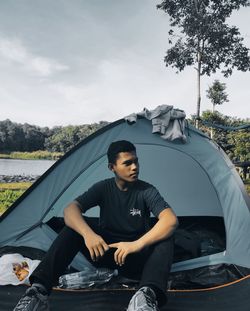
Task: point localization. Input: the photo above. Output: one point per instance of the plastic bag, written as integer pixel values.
(16, 269)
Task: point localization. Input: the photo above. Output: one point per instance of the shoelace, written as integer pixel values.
(150, 302)
(25, 300)
(23, 303)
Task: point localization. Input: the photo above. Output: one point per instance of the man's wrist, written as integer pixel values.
(86, 233)
(140, 244)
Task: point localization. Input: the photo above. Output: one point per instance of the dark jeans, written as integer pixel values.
(152, 265)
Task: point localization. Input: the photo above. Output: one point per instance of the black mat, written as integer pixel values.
(234, 297)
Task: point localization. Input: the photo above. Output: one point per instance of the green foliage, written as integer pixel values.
(10, 192)
(29, 138)
(21, 137)
(247, 185)
(201, 28)
(15, 185)
(67, 137)
(235, 143)
(8, 197)
(241, 142)
(35, 155)
(200, 37)
(216, 93)
(214, 117)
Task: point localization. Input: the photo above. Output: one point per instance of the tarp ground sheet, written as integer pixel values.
(232, 297)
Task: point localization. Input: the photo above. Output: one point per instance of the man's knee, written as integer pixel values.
(164, 249)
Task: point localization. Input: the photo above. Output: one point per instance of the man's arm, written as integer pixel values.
(164, 228)
(73, 218)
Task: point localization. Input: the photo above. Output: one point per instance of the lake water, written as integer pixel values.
(24, 167)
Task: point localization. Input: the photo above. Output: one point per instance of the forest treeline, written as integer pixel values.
(30, 138)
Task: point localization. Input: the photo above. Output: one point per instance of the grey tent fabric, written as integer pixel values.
(196, 179)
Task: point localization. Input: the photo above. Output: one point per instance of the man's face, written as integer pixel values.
(126, 167)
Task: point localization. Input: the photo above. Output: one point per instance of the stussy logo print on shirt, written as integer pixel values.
(135, 211)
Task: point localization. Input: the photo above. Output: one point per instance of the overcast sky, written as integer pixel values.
(82, 61)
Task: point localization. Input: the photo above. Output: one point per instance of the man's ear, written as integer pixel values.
(111, 167)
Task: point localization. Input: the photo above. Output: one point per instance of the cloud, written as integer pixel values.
(14, 52)
(119, 89)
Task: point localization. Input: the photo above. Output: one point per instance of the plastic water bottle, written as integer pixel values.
(87, 278)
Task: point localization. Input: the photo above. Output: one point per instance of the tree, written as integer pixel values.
(64, 138)
(34, 138)
(216, 93)
(235, 143)
(204, 39)
(26, 137)
(241, 142)
(21, 137)
(11, 136)
(217, 135)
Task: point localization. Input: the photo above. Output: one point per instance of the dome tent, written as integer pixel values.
(196, 178)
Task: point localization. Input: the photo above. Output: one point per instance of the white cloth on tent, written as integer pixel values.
(166, 120)
(16, 269)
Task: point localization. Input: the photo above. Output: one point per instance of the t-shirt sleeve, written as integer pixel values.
(92, 197)
(154, 201)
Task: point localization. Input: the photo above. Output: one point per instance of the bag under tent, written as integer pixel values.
(211, 267)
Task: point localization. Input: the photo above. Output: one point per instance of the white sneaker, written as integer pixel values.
(33, 300)
(143, 300)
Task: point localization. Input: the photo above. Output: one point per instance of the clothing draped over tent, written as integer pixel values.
(166, 120)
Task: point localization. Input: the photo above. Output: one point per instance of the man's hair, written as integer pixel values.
(117, 147)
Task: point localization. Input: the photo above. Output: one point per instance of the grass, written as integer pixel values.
(10, 192)
(35, 155)
(15, 186)
(8, 197)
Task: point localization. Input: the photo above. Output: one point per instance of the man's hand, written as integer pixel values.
(96, 246)
(123, 249)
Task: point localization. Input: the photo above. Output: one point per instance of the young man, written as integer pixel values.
(123, 240)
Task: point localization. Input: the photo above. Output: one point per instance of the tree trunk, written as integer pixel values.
(211, 133)
(211, 129)
(198, 89)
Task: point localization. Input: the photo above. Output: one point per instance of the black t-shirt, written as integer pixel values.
(125, 214)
